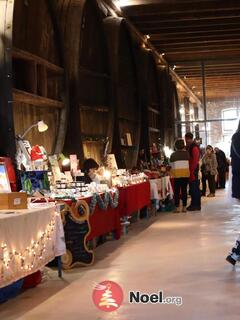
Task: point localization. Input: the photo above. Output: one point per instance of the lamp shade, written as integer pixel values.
(42, 126)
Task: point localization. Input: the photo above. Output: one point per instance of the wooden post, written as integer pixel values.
(7, 134)
(204, 101)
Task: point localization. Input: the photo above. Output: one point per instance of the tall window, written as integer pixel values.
(229, 126)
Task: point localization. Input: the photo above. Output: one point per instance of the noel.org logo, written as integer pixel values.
(107, 296)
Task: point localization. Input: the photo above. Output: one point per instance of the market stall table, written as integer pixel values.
(161, 188)
(134, 198)
(101, 221)
(29, 239)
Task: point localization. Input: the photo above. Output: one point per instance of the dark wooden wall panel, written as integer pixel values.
(125, 90)
(38, 69)
(88, 74)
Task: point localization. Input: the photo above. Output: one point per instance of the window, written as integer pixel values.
(231, 125)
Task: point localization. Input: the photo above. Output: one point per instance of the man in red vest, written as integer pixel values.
(194, 153)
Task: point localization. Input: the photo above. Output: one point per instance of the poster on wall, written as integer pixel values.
(4, 181)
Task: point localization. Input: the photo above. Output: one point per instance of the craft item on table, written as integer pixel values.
(68, 176)
(94, 187)
(76, 229)
(74, 163)
(35, 181)
(103, 203)
(23, 155)
(125, 180)
(107, 142)
(121, 172)
(4, 181)
(38, 153)
(39, 158)
(53, 159)
(111, 162)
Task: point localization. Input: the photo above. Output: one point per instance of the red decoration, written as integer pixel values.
(36, 153)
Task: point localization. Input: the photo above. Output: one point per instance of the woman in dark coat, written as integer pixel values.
(235, 161)
(222, 168)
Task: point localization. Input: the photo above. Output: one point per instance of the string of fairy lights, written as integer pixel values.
(27, 259)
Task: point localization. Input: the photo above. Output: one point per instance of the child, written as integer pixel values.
(180, 171)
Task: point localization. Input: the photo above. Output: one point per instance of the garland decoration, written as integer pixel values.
(103, 203)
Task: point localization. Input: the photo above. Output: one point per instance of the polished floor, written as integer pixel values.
(181, 254)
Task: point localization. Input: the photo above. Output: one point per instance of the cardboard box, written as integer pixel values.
(13, 200)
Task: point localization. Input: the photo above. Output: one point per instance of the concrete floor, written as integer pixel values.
(181, 254)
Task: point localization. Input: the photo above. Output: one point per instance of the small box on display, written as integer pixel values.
(13, 200)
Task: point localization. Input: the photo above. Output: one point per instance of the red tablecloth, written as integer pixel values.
(102, 221)
(134, 198)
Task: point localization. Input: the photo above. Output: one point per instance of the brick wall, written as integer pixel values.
(214, 111)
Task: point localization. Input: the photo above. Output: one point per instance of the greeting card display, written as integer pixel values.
(33, 181)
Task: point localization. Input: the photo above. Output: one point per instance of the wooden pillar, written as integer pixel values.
(204, 101)
(187, 112)
(7, 135)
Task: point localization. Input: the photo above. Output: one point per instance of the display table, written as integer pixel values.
(29, 239)
(102, 221)
(133, 198)
(161, 188)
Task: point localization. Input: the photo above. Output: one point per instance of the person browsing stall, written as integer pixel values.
(194, 153)
(179, 161)
(210, 162)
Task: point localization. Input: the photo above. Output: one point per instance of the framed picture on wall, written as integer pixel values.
(4, 181)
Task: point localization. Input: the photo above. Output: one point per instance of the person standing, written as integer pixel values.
(203, 174)
(222, 168)
(235, 161)
(194, 153)
(210, 162)
(179, 162)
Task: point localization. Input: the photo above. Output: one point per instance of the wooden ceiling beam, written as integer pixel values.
(159, 26)
(184, 30)
(199, 50)
(226, 77)
(208, 66)
(216, 60)
(202, 16)
(209, 71)
(206, 57)
(225, 35)
(199, 44)
(175, 8)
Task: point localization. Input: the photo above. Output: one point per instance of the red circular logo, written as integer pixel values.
(107, 296)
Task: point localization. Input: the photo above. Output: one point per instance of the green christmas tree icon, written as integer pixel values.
(107, 299)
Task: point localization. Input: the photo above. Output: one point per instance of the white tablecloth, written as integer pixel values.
(161, 188)
(29, 239)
